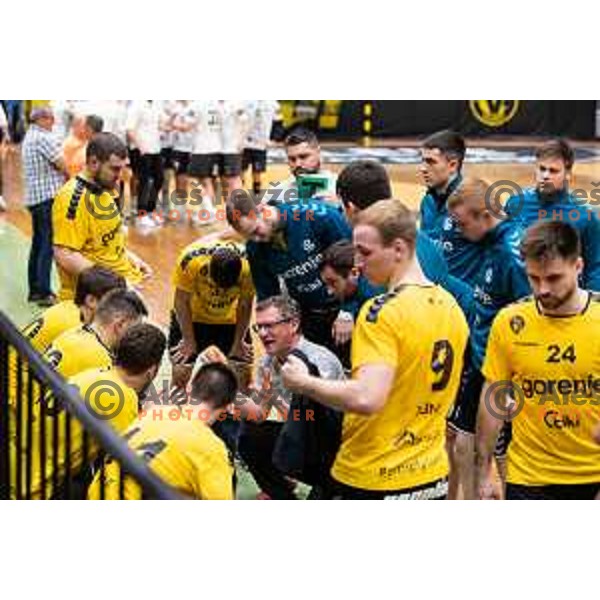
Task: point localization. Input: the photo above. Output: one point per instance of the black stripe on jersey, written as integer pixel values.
(90, 185)
(75, 199)
(90, 329)
(31, 331)
(592, 297)
(380, 302)
(190, 256)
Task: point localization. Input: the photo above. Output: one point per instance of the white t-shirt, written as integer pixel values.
(167, 137)
(3, 120)
(184, 115)
(235, 126)
(262, 113)
(115, 118)
(220, 127)
(64, 111)
(144, 120)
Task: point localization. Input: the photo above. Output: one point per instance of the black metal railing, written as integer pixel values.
(51, 445)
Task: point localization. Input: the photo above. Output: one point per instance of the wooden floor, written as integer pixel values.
(161, 247)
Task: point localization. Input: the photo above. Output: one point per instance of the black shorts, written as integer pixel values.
(435, 490)
(203, 166)
(257, 159)
(134, 160)
(205, 335)
(463, 416)
(586, 491)
(181, 161)
(167, 158)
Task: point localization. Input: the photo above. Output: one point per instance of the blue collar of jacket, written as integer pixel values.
(492, 236)
(441, 197)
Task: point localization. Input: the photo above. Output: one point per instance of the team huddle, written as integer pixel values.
(332, 337)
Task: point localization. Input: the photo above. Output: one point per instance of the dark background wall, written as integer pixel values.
(396, 118)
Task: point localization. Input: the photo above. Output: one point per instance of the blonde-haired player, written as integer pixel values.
(407, 350)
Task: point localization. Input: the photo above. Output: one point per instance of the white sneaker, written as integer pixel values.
(147, 222)
(3, 206)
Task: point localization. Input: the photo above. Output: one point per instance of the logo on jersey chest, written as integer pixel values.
(517, 324)
(308, 245)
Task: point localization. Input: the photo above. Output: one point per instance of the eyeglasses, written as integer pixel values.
(268, 326)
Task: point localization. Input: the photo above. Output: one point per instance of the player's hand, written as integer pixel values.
(145, 269)
(180, 376)
(212, 354)
(184, 351)
(242, 351)
(294, 373)
(143, 266)
(488, 486)
(342, 331)
(489, 491)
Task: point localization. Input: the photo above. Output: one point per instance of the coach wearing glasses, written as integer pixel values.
(278, 327)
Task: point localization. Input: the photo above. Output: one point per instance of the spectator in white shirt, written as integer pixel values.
(145, 120)
(262, 115)
(184, 118)
(219, 132)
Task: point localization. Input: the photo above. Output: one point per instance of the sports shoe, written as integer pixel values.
(147, 222)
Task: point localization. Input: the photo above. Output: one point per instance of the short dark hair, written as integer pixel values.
(238, 206)
(141, 347)
(301, 135)
(363, 182)
(340, 257)
(103, 145)
(120, 303)
(94, 123)
(225, 267)
(286, 305)
(557, 148)
(96, 281)
(215, 384)
(450, 143)
(549, 240)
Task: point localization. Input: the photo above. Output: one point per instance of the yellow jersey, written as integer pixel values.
(181, 449)
(71, 353)
(211, 304)
(106, 395)
(59, 318)
(78, 350)
(419, 331)
(554, 363)
(41, 333)
(86, 219)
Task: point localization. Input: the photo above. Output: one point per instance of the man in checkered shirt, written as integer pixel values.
(44, 171)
